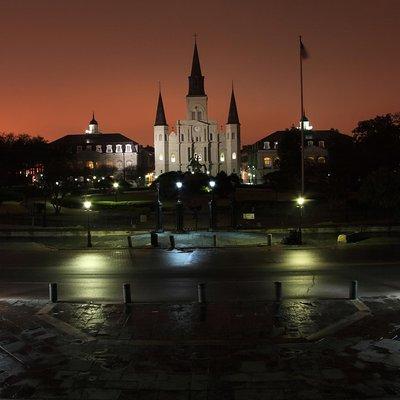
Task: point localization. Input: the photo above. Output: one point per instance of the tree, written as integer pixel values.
(378, 143)
(381, 191)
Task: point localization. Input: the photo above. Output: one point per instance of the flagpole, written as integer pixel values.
(301, 117)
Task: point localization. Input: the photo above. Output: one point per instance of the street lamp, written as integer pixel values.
(211, 206)
(179, 209)
(159, 223)
(115, 186)
(87, 205)
(300, 204)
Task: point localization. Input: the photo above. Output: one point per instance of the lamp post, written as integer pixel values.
(159, 221)
(211, 207)
(87, 205)
(115, 186)
(179, 209)
(300, 204)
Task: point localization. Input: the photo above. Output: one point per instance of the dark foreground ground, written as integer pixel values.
(301, 349)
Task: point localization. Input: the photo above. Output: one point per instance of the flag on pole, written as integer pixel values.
(303, 51)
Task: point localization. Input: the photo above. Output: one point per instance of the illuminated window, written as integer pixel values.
(266, 146)
(161, 157)
(222, 157)
(321, 143)
(310, 159)
(89, 164)
(99, 148)
(275, 145)
(233, 156)
(128, 148)
(173, 159)
(321, 160)
(267, 162)
(118, 148)
(109, 148)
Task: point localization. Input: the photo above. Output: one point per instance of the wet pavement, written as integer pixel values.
(189, 351)
(231, 274)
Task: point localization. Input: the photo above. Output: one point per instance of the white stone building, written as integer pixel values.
(197, 139)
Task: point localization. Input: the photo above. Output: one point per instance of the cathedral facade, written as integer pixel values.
(197, 142)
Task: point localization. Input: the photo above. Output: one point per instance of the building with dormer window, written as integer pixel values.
(197, 139)
(95, 149)
(262, 157)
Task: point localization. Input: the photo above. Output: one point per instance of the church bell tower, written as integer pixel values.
(196, 99)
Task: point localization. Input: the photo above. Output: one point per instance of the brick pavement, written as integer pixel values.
(222, 351)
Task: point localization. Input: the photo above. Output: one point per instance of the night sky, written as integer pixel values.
(62, 59)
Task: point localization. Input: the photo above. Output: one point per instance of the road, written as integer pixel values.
(172, 276)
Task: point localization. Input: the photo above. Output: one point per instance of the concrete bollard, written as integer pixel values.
(53, 295)
(278, 291)
(154, 239)
(215, 240)
(172, 241)
(89, 239)
(201, 293)
(130, 241)
(353, 295)
(269, 239)
(126, 293)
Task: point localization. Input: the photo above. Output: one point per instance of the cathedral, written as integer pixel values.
(197, 144)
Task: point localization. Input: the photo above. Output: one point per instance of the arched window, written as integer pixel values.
(199, 115)
(89, 164)
(109, 148)
(118, 148)
(233, 156)
(267, 162)
(222, 157)
(128, 148)
(321, 160)
(173, 158)
(161, 157)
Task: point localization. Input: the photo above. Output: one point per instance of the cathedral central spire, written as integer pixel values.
(196, 79)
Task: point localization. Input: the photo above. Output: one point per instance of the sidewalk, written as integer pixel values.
(220, 351)
(200, 239)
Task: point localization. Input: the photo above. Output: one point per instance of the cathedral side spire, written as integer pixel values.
(196, 79)
(233, 117)
(160, 114)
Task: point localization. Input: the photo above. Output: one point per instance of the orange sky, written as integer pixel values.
(59, 60)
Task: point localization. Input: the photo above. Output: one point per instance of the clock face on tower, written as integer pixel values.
(196, 128)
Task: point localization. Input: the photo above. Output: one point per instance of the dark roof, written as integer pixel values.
(196, 79)
(326, 134)
(160, 114)
(233, 117)
(96, 138)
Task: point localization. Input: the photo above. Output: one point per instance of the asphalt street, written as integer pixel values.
(231, 274)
